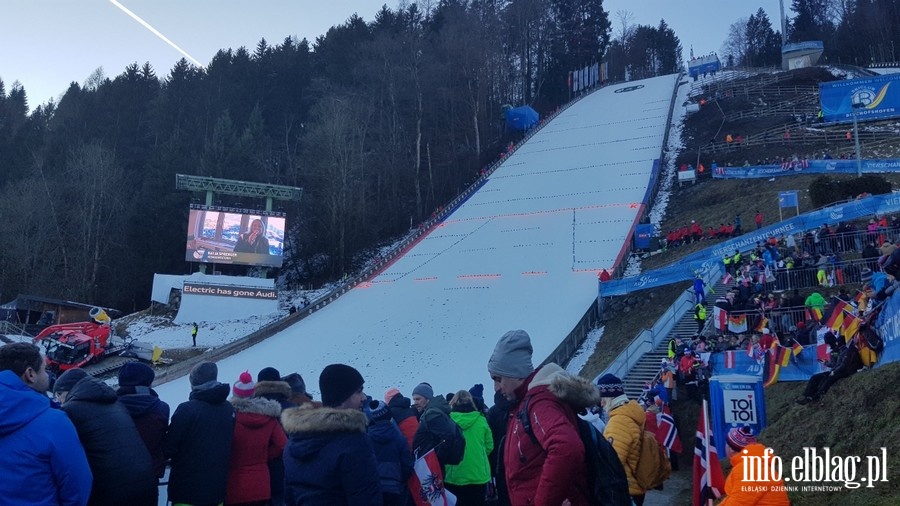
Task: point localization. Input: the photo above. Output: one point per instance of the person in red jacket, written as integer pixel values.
(403, 414)
(258, 438)
(758, 219)
(551, 470)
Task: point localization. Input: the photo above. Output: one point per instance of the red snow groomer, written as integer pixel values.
(71, 345)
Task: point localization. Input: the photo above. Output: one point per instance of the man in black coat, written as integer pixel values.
(199, 440)
(436, 429)
(119, 460)
(150, 414)
(847, 363)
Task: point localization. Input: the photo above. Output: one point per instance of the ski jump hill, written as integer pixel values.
(522, 252)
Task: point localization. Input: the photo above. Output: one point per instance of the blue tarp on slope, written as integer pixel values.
(521, 118)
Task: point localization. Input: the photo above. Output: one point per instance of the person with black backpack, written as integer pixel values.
(436, 430)
(545, 453)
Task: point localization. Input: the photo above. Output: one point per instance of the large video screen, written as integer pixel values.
(234, 237)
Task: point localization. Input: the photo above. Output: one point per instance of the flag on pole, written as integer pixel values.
(720, 318)
(822, 354)
(727, 279)
(813, 313)
(669, 431)
(837, 315)
(763, 324)
(784, 356)
(797, 348)
(709, 482)
(850, 326)
(427, 483)
(737, 323)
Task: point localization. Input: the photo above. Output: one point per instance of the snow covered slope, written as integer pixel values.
(522, 252)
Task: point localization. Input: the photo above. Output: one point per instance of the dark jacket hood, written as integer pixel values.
(436, 406)
(20, 405)
(212, 393)
(91, 389)
(276, 390)
(382, 432)
(139, 404)
(310, 429)
(255, 411)
(398, 401)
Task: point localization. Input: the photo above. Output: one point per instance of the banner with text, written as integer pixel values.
(229, 291)
(869, 98)
(874, 166)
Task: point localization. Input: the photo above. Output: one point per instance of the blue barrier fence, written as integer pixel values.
(801, 368)
(875, 166)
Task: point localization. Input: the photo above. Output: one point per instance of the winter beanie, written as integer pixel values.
(136, 374)
(425, 390)
(739, 438)
(268, 374)
(244, 386)
(610, 386)
(391, 393)
(512, 355)
(337, 383)
(298, 386)
(377, 411)
(477, 391)
(67, 380)
(204, 372)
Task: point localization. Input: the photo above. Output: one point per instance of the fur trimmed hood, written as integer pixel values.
(309, 419)
(257, 406)
(574, 390)
(278, 390)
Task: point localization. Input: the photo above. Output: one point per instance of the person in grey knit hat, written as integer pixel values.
(510, 363)
(421, 395)
(203, 373)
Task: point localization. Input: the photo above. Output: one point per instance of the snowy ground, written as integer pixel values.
(522, 252)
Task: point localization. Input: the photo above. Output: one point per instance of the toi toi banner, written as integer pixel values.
(735, 401)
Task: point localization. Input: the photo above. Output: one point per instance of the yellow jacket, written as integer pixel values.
(752, 493)
(625, 430)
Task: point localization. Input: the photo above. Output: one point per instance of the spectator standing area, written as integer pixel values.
(521, 252)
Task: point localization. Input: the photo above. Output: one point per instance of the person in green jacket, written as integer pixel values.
(816, 303)
(468, 479)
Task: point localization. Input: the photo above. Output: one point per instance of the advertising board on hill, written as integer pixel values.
(235, 236)
(871, 97)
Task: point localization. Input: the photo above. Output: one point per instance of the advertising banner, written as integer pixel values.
(680, 271)
(235, 237)
(875, 97)
(813, 167)
(229, 291)
(736, 401)
(800, 368)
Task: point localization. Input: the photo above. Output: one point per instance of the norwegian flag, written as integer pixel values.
(427, 483)
(669, 431)
(709, 482)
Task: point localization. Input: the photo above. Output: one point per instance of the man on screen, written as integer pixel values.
(253, 241)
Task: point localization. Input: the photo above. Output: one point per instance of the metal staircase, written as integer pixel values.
(647, 367)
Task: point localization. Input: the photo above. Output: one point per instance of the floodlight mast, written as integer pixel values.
(212, 185)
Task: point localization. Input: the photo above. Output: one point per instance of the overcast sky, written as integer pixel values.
(46, 44)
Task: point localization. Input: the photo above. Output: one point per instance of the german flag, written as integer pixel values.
(796, 348)
(837, 315)
(850, 327)
(813, 313)
(763, 323)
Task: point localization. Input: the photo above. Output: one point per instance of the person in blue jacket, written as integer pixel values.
(329, 458)
(42, 459)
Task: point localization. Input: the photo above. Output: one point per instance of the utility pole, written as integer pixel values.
(856, 106)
